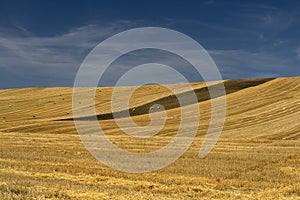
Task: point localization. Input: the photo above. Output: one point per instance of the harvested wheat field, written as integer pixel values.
(256, 157)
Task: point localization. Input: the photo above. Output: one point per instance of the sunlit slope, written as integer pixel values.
(268, 109)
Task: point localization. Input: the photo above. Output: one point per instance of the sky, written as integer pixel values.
(43, 43)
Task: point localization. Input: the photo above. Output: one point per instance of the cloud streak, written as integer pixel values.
(27, 60)
(57, 57)
(235, 64)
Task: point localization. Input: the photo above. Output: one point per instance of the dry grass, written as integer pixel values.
(257, 156)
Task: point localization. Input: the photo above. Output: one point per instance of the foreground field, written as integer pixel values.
(257, 156)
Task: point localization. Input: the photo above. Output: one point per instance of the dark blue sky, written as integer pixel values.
(42, 43)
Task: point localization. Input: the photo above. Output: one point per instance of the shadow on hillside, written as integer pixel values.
(170, 102)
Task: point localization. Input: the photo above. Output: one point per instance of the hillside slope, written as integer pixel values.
(256, 157)
(263, 109)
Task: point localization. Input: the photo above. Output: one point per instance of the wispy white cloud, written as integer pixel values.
(56, 57)
(243, 63)
(209, 2)
(298, 53)
(279, 43)
(24, 56)
(264, 20)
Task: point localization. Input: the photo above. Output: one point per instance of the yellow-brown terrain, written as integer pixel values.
(256, 157)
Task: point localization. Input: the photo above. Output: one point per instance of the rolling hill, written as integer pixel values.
(256, 157)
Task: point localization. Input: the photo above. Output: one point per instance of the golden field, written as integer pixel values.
(256, 157)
